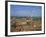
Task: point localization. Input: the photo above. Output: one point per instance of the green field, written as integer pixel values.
(33, 18)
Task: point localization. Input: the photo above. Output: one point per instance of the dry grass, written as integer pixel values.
(26, 25)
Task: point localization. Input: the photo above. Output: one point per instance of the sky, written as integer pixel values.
(23, 10)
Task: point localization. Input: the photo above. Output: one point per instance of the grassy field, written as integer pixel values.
(21, 24)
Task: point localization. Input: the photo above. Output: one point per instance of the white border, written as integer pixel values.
(30, 32)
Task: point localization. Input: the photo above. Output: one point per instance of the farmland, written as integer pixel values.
(25, 23)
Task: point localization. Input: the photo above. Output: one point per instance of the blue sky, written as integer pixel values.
(23, 10)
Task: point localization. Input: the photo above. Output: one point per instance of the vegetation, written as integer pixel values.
(32, 24)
